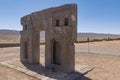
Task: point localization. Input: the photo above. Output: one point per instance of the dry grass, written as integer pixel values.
(9, 41)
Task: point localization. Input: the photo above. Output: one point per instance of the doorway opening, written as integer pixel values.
(42, 48)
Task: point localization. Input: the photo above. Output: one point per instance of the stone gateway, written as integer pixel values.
(60, 26)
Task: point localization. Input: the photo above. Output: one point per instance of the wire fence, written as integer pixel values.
(102, 47)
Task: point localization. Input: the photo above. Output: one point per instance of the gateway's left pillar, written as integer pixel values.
(29, 42)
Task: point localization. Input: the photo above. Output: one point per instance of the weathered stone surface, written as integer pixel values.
(60, 26)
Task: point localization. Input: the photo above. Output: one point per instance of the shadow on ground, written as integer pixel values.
(40, 69)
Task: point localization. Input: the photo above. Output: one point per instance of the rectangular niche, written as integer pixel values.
(25, 50)
(61, 18)
(56, 52)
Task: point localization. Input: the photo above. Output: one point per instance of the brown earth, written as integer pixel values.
(107, 67)
(8, 73)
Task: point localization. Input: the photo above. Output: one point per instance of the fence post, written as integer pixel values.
(88, 44)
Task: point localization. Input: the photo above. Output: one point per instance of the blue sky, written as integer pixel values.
(99, 16)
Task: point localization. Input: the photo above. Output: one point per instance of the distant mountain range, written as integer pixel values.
(9, 35)
(97, 35)
(15, 35)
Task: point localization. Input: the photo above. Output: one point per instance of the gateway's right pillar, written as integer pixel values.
(60, 38)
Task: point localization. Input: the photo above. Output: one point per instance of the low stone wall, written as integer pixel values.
(2, 45)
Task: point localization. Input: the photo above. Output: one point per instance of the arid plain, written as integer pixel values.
(103, 56)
